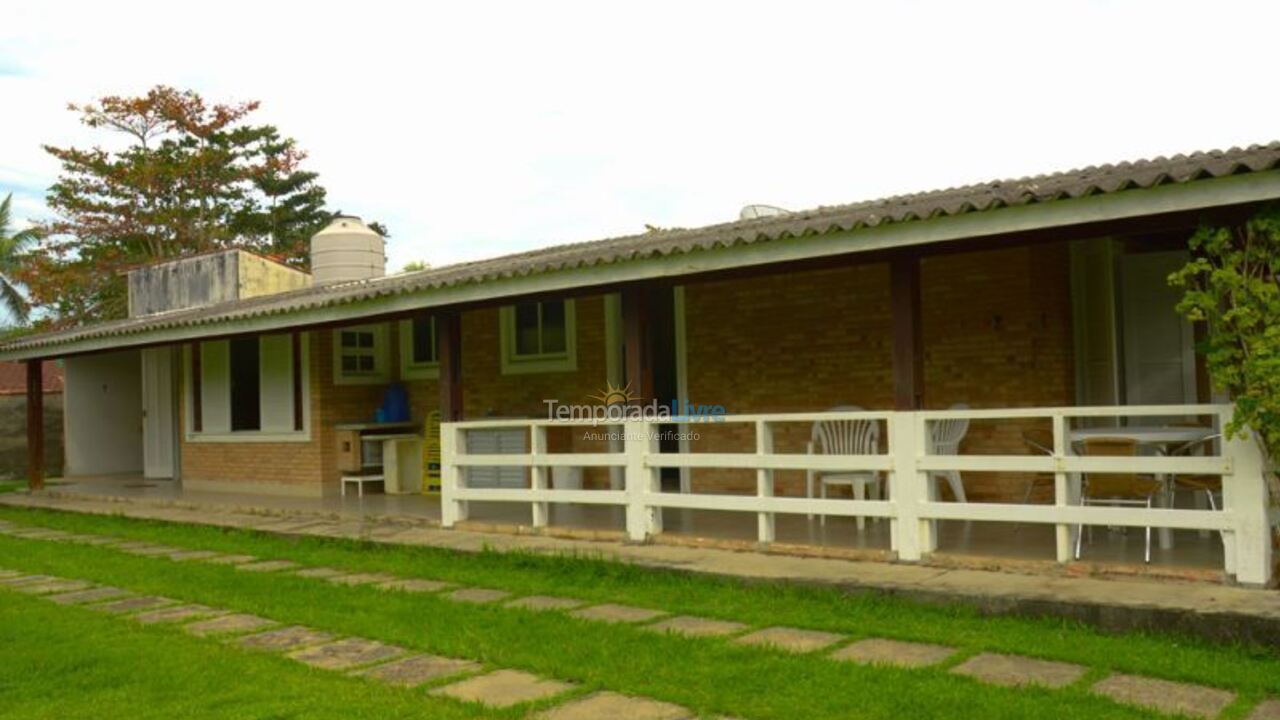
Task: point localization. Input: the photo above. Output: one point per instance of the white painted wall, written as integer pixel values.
(103, 414)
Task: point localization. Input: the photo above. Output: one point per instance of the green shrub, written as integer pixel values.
(1232, 283)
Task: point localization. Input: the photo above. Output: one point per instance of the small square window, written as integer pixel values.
(538, 337)
(360, 355)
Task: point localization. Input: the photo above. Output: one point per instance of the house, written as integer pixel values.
(1005, 311)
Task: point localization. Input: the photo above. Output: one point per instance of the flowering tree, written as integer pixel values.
(188, 176)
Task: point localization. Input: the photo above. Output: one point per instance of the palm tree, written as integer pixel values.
(12, 246)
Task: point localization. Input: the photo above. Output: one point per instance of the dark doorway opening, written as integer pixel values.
(666, 384)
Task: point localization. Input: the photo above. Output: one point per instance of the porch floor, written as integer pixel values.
(1022, 547)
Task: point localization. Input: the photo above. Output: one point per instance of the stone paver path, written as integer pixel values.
(148, 550)
(696, 626)
(48, 587)
(285, 639)
(419, 669)
(1168, 697)
(477, 596)
(229, 625)
(320, 572)
(231, 559)
(348, 653)
(878, 651)
(415, 585)
(38, 534)
(612, 613)
(791, 639)
(21, 579)
(99, 540)
(181, 613)
(368, 658)
(1266, 710)
(360, 578)
(616, 707)
(267, 566)
(545, 602)
(1016, 671)
(88, 596)
(503, 688)
(187, 555)
(134, 604)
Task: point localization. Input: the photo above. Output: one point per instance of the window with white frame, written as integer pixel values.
(539, 336)
(419, 348)
(248, 387)
(360, 355)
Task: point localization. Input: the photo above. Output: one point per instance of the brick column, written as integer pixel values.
(449, 334)
(908, 344)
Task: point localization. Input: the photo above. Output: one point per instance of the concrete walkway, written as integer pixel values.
(1215, 611)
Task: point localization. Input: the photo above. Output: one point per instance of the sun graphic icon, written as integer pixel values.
(615, 395)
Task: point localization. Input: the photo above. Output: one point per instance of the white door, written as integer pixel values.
(1094, 315)
(158, 430)
(1159, 350)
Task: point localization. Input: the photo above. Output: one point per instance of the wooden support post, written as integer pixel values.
(35, 424)
(197, 388)
(637, 339)
(299, 411)
(449, 336)
(908, 344)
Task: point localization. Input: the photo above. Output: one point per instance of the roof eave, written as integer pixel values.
(1194, 195)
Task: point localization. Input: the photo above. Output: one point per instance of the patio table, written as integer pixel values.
(1145, 434)
(1158, 436)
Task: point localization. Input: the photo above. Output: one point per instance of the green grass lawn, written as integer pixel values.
(709, 675)
(72, 662)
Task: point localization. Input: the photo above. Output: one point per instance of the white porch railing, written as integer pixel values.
(912, 506)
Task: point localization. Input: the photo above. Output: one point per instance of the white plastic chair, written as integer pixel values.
(845, 437)
(946, 436)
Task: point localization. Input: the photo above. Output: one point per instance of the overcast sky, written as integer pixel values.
(473, 129)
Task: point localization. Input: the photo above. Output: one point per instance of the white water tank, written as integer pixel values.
(347, 250)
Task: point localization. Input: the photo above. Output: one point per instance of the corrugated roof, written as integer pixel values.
(1104, 179)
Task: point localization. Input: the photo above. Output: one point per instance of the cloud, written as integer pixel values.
(473, 129)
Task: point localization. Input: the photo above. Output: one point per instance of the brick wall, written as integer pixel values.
(311, 468)
(996, 328)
